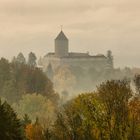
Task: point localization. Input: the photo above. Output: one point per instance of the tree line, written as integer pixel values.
(18, 78)
(112, 112)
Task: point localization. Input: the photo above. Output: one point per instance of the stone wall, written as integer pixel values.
(98, 63)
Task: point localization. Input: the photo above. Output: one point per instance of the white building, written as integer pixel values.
(62, 56)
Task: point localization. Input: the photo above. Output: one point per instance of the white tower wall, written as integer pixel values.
(61, 48)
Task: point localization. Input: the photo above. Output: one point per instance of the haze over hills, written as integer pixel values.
(69, 70)
(94, 26)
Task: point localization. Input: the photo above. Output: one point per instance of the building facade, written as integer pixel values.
(62, 56)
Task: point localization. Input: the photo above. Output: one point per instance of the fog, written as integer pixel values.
(91, 25)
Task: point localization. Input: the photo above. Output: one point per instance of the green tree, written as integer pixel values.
(80, 119)
(115, 96)
(36, 81)
(26, 120)
(35, 105)
(17, 79)
(137, 83)
(4, 72)
(106, 114)
(30, 80)
(10, 126)
(32, 59)
(13, 59)
(134, 109)
(10, 91)
(21, 59)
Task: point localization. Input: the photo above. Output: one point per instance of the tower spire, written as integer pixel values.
(61, 44)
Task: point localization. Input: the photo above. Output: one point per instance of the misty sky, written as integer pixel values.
(91, 25)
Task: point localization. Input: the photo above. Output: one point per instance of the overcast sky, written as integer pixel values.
(91, 25)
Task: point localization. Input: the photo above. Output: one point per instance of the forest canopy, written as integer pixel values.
(18, 78)
(34, 111)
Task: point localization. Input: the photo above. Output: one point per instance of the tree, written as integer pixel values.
(40, 61)
(60, 130)
(10, 126)
(21, 59)
(47, 134)
(93, 112)
(115, 96)
(80, 119)
(17, 79)
(32, 59)
(37, 82)
(13, 59)
(134, 108)
(10, 91)
(49, 72)
(30, 80)
(137, 83)
(34, 131)
(35, 105)
(4, 72)
(26, 120)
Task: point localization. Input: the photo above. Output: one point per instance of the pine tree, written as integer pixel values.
(21, 59)
(10, 126)
(32, 59)
(26, 120)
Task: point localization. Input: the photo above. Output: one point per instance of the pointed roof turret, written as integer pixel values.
(61, 36)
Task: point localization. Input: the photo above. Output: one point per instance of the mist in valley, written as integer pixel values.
(69, 70)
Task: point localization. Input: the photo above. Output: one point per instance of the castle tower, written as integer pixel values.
(61, 45)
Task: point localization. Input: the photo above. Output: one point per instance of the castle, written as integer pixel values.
(62, 56)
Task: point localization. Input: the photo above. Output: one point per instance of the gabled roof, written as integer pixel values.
(61, 36)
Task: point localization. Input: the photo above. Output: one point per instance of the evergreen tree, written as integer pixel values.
(21, 59)
(137, 83)
(26, 120)
(4, 72)
(17, 79)
(32, 59)
(13, 60)
(10, 126)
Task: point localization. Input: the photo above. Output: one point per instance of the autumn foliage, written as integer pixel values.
(34, 131)
(112, 112)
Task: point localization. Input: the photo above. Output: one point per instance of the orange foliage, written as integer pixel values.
(34, 132)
